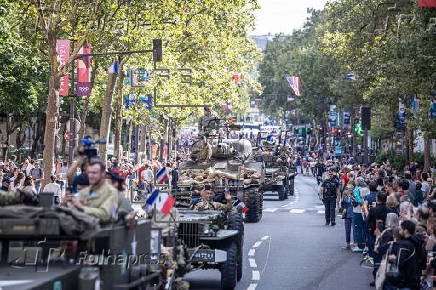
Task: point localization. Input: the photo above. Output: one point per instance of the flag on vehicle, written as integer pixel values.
(240, 206)
(161, 201)
(294, 83)
(114, 68)
(426, 3)
(351, 76)
(162, 175)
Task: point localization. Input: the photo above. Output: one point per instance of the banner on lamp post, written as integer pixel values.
(63, 53)
(333, 116)
(433, 109)
(84, 85)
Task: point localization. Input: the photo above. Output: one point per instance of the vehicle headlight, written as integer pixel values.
(206, 229)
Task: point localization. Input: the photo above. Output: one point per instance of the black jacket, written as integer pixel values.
(377, 213)
(406, 256)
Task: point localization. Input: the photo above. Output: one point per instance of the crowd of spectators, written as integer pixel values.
(392, 216)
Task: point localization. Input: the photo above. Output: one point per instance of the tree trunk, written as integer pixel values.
(129, 138)
(106, 113)
(52, 112)
(119, 116)
(427, 154)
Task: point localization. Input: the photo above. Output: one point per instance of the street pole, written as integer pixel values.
(72, 133)
(365, 147)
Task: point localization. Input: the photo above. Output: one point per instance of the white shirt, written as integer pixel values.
(53, 187)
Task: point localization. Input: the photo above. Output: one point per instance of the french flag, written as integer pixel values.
(161, 201)
(162, 175)
(240, 206)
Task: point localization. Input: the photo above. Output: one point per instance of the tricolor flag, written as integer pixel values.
(426, 3)
(240, 206)
(162, 175)
(114, 68)
(290, 99)
(294, 83)
(226, 106)
(161, 201)
(351, 76)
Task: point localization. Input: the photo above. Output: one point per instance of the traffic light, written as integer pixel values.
(358, 129)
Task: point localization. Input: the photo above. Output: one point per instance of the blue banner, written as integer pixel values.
(433, 109)
(333, 116)
(401, 113)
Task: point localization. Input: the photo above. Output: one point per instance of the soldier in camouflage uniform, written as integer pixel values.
(100, 199)
(207, 122)
(206, 202)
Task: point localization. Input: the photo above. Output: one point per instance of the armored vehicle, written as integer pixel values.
(278, 173)
(225, 164)
(38, 253)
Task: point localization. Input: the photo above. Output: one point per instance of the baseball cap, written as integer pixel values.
(207, 109)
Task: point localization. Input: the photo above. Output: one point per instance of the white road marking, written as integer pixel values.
(257, 244)
(252, 286)
(265, 238)
(288, 204)
(270, 209)
(321, 211)
(319, 206)
(252, 263)
(255, 275)
(297, 210)
(252, 252)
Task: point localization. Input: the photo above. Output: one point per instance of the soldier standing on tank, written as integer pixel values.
(206, 122)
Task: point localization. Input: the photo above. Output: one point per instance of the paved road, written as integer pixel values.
(292, 249)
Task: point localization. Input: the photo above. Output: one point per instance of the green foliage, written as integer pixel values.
(400, 161)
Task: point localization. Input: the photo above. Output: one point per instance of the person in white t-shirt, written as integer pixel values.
(148, 177)
(53, 186)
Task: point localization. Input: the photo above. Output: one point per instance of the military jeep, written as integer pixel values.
(212, 240)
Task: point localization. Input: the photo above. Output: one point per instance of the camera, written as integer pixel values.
(89, 147)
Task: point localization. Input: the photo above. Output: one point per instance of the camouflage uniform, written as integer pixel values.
(206, 124)
(211, 205)
(100, 201)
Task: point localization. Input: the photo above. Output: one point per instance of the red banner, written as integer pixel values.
(63, 52)
(84, 85)
(427, 3)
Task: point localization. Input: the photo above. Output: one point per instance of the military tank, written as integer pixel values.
(225, 164)
(279, 175)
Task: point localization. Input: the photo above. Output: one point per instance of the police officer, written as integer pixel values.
(206, 201)
(328, 193)
(99, 199)
(206, 122)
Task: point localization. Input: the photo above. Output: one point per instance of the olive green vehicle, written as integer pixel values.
(110, 257)
(230, 167)
(279, 175)
(211, 240)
